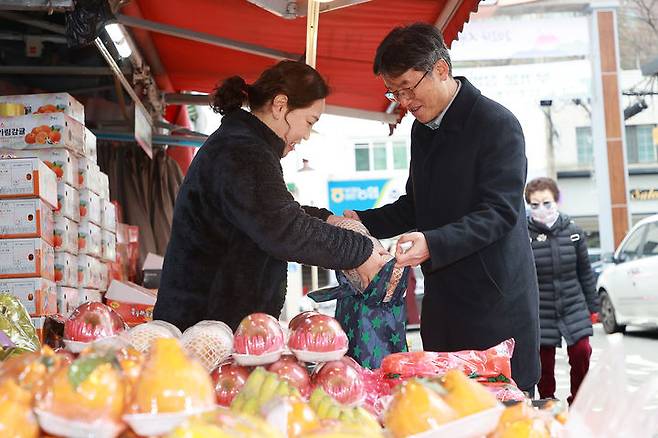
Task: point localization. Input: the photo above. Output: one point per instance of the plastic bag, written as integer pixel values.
(492, 366)
(605, 407)
(16, 325)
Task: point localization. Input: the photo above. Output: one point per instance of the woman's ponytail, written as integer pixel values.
(231, 95)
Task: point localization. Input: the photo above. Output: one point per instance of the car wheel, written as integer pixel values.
(608, 317)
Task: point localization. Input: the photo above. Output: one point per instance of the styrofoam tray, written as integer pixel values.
(316, 357)
(474, 426)
(56, 425)
(160, 424)
(250, 360)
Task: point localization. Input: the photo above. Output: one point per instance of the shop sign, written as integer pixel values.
(644, 194)
(363, 194)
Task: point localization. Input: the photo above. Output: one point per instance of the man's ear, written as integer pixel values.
(279, 106)
(441, 69)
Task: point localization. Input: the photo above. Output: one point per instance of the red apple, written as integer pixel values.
(318, 333)
(92, 321)
(228, 379)
(299, 319)
(258, 334)
(340, 380)
(289, 369)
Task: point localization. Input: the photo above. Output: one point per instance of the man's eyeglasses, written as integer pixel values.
(408, 93)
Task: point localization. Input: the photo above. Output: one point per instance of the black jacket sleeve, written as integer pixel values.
(585, 274)
(392, 219)
(254, 198)
(320, 213)
(501, 170)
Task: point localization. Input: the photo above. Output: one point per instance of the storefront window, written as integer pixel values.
(400, 160)
(362, 156)
(585, 148)
(379, 156)
(639, 144)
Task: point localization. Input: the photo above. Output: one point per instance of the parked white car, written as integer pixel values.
(629, 287)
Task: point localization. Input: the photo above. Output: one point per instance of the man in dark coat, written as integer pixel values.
(464, 198)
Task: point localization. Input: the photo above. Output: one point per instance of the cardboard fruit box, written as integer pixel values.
(90, 207)
(86, 295)
(24, 258)
(109, 213)
(27, 178)
(91, 150)
(42, 131)
(66, 235)
(109, 246)
(66, 269)
(89, 238)
(26, 218)
(67, 300)
(88, 172)
(48, 103)
(133, 302)
(38, 295)
(61, 161)
(68, 202)
(89, 272)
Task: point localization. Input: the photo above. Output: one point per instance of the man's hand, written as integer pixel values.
(333, 219)
(414, 255)
(351, 214)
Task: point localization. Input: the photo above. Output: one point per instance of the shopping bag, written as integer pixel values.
(375, 328)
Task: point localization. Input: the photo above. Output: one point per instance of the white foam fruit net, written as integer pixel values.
(352, 275)
(140, 337)
(211, 342)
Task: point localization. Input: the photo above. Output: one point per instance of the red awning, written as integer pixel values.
(347, 41)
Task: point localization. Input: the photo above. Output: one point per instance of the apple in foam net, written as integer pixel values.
(92, 321)
(258, 334)
(289, 369)
(228, 379)
(341, 380)
(318, 333)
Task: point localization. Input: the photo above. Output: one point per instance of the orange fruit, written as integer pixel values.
(90, 388)
(16, 418)
(30, 138)
(55, 136)
(41, 137)
(415, 408)
(171, 382)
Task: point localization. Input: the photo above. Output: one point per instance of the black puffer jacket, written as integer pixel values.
(567, 290)
(235, 226)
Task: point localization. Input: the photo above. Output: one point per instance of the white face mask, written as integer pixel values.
(546, 212)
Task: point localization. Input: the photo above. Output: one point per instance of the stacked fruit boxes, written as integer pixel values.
(28, 195)
(53, 130)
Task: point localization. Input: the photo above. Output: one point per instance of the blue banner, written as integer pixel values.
(356, 194)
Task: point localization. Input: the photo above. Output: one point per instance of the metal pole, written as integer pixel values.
(312, 21)
(37, 5)
(204, 38)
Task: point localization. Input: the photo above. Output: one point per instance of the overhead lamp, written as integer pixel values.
(118, 37)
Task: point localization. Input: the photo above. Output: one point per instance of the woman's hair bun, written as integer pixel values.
(231, 95)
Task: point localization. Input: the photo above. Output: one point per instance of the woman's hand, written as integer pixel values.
(351, 214)
(372, 266)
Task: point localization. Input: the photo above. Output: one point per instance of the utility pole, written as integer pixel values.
(608, 135)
